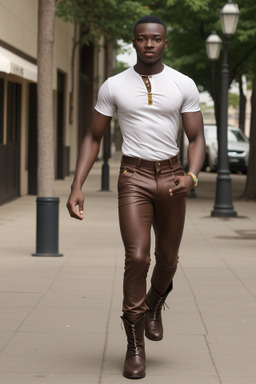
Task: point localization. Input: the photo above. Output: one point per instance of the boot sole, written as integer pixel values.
(152, 338)
(134, 377)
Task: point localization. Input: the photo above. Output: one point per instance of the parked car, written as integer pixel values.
(238, 149)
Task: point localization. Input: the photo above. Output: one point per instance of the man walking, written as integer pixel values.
(149, 100)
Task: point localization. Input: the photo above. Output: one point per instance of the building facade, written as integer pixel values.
(18, 96)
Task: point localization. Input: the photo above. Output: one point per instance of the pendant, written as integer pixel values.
(150, 99)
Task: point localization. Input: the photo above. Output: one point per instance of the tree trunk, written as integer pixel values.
(46, 14)
(242, 105)
(47, 228)
(250, 187)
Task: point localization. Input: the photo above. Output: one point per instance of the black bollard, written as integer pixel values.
(47, 227)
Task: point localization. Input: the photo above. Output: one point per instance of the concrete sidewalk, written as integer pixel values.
(60, 317)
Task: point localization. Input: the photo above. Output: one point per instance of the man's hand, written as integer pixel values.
(88, 154)
(182, 187)
(75, 204)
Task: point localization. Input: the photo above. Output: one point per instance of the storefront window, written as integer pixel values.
(1, 111)
(13, 111)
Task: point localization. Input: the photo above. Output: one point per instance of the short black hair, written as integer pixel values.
(149, 19)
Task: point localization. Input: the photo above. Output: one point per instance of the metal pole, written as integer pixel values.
(215, 98)
(223, 201)
(105, 165)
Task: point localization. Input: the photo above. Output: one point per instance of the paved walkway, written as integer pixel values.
(60, 317)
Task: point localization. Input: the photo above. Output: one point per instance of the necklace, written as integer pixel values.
(147, 83)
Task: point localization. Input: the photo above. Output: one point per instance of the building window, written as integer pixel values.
(13, 111)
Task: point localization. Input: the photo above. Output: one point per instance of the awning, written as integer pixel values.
(16, 65)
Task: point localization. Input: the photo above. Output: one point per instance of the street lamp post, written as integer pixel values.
(213, 45)
(223, 200)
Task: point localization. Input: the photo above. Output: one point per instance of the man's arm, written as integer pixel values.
(88, 154)
(194, 128)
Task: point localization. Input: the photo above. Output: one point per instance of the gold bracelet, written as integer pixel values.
(194, 178)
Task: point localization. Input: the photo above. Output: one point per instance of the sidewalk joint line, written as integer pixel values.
(108, 320)
(202, 320)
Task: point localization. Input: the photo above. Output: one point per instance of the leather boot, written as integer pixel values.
(153, 321)
(135, 360)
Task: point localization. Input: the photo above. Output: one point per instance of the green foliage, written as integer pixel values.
(113, 19)
(189, 24)
(120, 67)
(192, 5)
(233, 100)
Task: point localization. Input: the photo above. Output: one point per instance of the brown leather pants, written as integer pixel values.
(144, 202)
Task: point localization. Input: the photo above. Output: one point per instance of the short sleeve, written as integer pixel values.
(105, 104)
(191, 98)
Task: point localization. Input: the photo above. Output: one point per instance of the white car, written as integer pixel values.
(238, 149)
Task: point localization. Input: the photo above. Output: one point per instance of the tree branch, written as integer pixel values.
(234, 70)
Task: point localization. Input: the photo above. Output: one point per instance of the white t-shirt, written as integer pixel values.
(149, 131)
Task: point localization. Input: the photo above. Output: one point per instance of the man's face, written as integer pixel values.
(149, 42)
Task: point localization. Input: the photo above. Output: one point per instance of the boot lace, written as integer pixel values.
(135, 341)
(134, 336)
(161, 304)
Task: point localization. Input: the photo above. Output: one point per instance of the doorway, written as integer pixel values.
(10, 126)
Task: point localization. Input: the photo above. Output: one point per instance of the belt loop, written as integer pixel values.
(138, 163)
(170, 162)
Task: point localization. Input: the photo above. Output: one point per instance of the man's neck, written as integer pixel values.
(147, 70)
